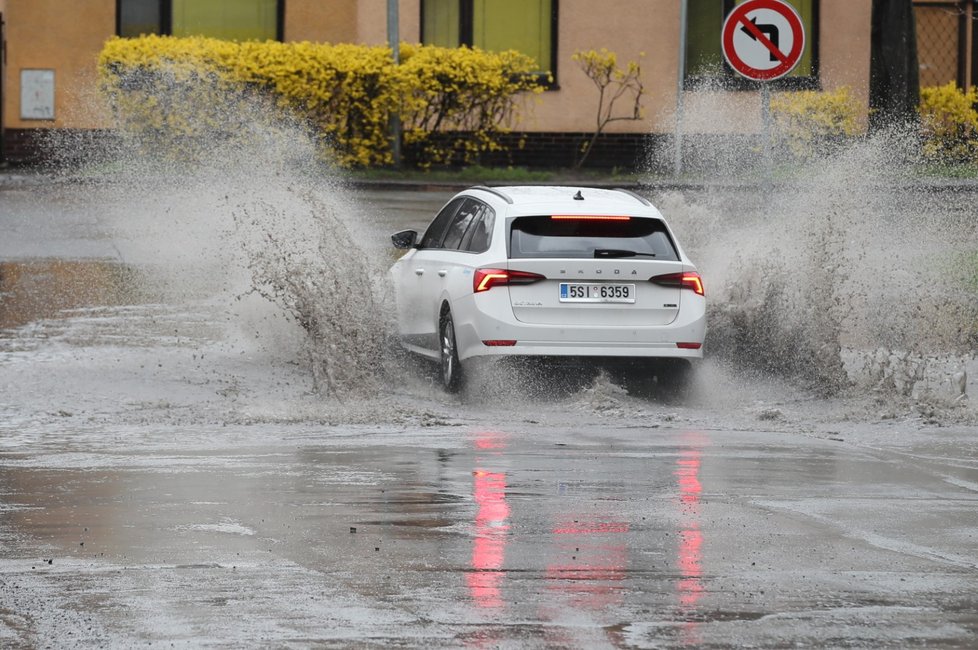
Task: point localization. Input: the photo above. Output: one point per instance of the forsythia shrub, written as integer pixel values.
(172, 90)
(949, 123)
(466, 92)
(808, 121)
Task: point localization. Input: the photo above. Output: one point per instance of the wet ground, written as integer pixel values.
(168, 476)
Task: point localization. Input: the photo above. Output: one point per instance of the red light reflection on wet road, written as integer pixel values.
(491, 530)
(689, 587)
(594, 565)
(687, 470)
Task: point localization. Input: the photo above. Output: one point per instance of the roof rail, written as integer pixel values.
(635, 196)
(502, 195)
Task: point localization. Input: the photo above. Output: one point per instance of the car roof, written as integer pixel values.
(555, 199)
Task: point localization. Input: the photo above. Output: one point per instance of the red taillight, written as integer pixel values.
(486, 279)
(499, 343)
(687, 280)
(689, 346)
(588, 217)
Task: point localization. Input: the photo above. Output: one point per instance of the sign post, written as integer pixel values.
(763, 40)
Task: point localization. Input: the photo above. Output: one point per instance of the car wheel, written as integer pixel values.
(451, 367)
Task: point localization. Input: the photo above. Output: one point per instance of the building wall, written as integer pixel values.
(652, 27)
(372, 21)
(67, 37)
(305, 20)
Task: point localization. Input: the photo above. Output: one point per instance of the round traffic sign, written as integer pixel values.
(763, 39)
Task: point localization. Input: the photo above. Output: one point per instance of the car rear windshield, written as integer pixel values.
(584, 237)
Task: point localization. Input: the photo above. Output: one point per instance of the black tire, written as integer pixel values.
(451, 367)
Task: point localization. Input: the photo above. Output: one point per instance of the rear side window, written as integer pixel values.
(436, 231)
(584, 237)
(463, 220)
(479, 234)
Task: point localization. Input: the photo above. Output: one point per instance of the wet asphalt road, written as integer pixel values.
(454, 536)
(164, 483)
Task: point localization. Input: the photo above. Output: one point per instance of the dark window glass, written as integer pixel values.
(460, 224)
(479, 235)
(583, 238)
(704, 56)
(526, 26)
(436, 231)
(138, 17)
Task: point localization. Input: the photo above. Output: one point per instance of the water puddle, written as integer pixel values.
(36, 290)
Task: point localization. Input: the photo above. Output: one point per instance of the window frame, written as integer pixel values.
(466, 36)
(166, 18)
(730, 80)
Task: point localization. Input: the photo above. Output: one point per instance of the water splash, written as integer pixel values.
(242, 203)
(852, 278)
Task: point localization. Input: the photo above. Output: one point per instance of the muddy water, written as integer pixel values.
(41, 289)
(170, 473)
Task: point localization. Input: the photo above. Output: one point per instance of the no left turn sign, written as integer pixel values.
(763, 39)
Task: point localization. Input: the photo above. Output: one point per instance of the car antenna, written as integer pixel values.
(578, 196)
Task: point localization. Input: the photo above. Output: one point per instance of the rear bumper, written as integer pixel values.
(474, 325)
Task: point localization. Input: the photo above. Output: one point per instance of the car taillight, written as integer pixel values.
(486, 279)
(688, 280)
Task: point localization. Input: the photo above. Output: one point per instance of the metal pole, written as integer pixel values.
(766, 132)
(394, 40)
(677, 163)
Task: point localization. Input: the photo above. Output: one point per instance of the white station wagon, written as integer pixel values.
(559, 273)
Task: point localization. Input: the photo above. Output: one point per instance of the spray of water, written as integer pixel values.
(242, 203)
(852, 278)
(846, 279)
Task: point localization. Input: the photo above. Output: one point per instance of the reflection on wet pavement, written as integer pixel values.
(39, 289)
(447, 538)
(689, 586)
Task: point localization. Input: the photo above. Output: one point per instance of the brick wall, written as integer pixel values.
(624, 151)
(56, 146)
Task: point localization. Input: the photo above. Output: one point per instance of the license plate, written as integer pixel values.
(585, 292)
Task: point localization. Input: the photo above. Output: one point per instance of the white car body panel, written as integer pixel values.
(427, 280)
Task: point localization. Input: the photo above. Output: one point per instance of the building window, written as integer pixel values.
(237, 20)
(527, 26)
(138, 17)
(705, 65)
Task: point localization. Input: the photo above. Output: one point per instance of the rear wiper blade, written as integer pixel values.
(618, 252)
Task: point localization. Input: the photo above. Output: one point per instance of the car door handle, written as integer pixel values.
(419, 271)
(442, 272)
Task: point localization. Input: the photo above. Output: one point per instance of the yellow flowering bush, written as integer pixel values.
(466, 94)
(172, 90)
(808, 121)
(949, 123)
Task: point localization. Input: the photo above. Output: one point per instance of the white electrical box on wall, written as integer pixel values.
(37, 94)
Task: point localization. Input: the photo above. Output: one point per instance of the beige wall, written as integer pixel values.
(630, 27)
(64, 37)
(67, 37)
(314, 20)
(372, 21)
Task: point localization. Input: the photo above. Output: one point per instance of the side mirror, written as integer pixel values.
(404, 239)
